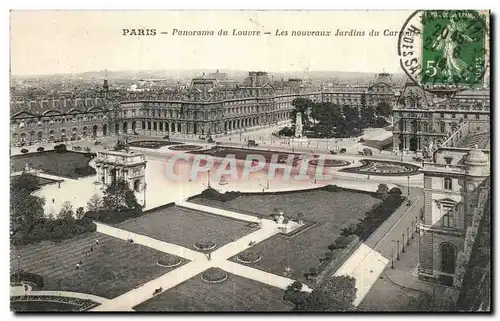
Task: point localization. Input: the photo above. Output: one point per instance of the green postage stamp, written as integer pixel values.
(445, 47)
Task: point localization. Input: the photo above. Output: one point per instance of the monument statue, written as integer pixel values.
(298, 125)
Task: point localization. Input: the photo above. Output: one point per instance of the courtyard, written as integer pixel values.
(302, 251)
(112, 268)
(185, 227)
(234, 294)
(69, 164)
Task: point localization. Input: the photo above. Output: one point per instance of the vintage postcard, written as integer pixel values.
(250, 161)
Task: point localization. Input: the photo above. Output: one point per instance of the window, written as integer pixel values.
(453, 115)
(477, 116)
(447, 219)
(442, 115)
(465, 116)
(448, 184)
(443, 127)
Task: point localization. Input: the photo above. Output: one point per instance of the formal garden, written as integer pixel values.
(207, 232)
(55, 162)
(235, 293)
(339, 219)
(383, 168)
(108, 268)
(152, 144)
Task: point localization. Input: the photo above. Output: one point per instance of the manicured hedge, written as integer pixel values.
(378, 215)
(113, 217)
(27, 277)
(61, 148)
(40, 149)
(54, 230)
(24, 150)
(214, 195)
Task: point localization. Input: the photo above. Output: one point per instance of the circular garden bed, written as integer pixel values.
(204, 245)
(214, 275)
(185, 148)
(249, 257)
(330, 162)
(383, 168)
(169, 261)
(154, 144)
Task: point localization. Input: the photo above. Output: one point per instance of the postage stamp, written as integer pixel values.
(445, 48)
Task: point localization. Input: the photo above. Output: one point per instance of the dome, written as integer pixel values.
(475, 156)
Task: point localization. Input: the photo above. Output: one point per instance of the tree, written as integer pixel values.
(80, 212)
(26, 213)
(395, 191)
(24, 183)
(336, 294)
(94, 204)
(118, 196)
(66, 212)
(301, 105)
(382, 190)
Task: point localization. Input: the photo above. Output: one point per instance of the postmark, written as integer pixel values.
(445, 48)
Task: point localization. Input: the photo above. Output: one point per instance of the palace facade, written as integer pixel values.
(211, 105)
(456, 200)
(424, 120)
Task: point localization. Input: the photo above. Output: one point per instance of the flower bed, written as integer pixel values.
(154, 144)
(383, 168)
(204, 245)
(249, 257)
(214, 275)
(330, 162)
(169, 261)
(185, 148)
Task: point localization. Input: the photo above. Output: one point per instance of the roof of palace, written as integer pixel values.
(481, 140)
(383, 79)
(62, 105)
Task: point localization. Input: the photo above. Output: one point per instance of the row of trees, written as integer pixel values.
(29, 224)
(330, 120)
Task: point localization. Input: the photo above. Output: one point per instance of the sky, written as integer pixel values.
(53, 42)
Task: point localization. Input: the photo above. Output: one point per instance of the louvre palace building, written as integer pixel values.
(212, 105)
(425, 119)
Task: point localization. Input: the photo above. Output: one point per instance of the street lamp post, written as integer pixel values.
(407, 236)
(412, 231)
(144, 189)
(392, 254)
(403, 250)
(408, 187)
(18, 268)
(397, 250)
(208, 179)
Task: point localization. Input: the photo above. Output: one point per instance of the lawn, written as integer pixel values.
(41, 181)
(185, 227)
(241, 154)
(235, 294)
(114, 267)
(331, 210)
(51, 162)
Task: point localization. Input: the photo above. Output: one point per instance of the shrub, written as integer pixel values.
(332, 188)
(212, 194)
(249, 257)
(395, 191)
(24, 150)
(297, 285)
(378, 215)
(205, 245)
(61, 148)
(169, 260)
(40, 149)
(113, 216)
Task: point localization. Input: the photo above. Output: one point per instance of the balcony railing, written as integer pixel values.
(443, 168)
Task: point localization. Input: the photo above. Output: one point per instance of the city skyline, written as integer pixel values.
(65, 42)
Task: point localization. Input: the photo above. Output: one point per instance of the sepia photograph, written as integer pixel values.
(250, 161)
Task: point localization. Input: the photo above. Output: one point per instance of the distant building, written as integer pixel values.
(210, 105)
